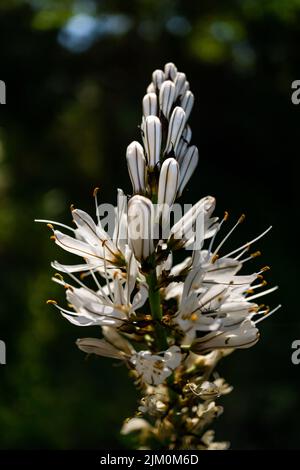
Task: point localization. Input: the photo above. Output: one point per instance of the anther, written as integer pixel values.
(214, 258)
(265, 268)
(255, 254)
(95, 192)
(53, 302)
(226, 216)
(242, 218)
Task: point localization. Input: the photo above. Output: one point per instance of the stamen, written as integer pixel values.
(265, 292)
(106, 273)
(50, 222)
(252, 256)
(240, 220)
(248, 243)
(78, 282)
(264, 269)
(268, 314)
(257, 286)
(95, 195)
(242, 253)
(225, 218)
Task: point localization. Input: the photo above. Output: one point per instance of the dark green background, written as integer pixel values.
(69, 116)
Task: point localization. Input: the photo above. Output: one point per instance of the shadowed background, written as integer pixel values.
(76, 72)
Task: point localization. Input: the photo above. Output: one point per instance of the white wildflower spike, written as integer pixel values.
(167, 187)
(153, 368)
(176, 126)
(187, 103)
(152, 140)
(170, 71)
(168, 323)
(136, 163)
(150, 104)
(141, 226)
(167, 97)
(187, 167)
(158, 78)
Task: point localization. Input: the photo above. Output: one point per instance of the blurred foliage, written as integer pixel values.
(75, 74)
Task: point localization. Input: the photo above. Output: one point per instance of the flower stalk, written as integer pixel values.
(156, 310)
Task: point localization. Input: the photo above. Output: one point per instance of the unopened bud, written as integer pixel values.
(170, 71)
(136, 163)
(188, 165)
(167, 97)
(158, 77)
(167, 187)
(150, 104)
(187, 103)
(176, 126)
(152, 139)
(140, 226)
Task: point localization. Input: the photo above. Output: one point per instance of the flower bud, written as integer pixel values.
(187, 167)
(100, 347)
(183, 143)
(187, 103)
(167, 97)
(170, 71)
(140, 226)
(150, 104)
(136, 163)
(158, 77)
(176, 126)
(180, 83)
(167, 187)
(152, 139)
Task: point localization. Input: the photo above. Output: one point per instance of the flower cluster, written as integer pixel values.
(170, 322)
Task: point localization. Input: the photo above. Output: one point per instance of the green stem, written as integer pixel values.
(156, 310)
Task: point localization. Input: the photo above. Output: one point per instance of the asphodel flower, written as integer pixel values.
(168, 323)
